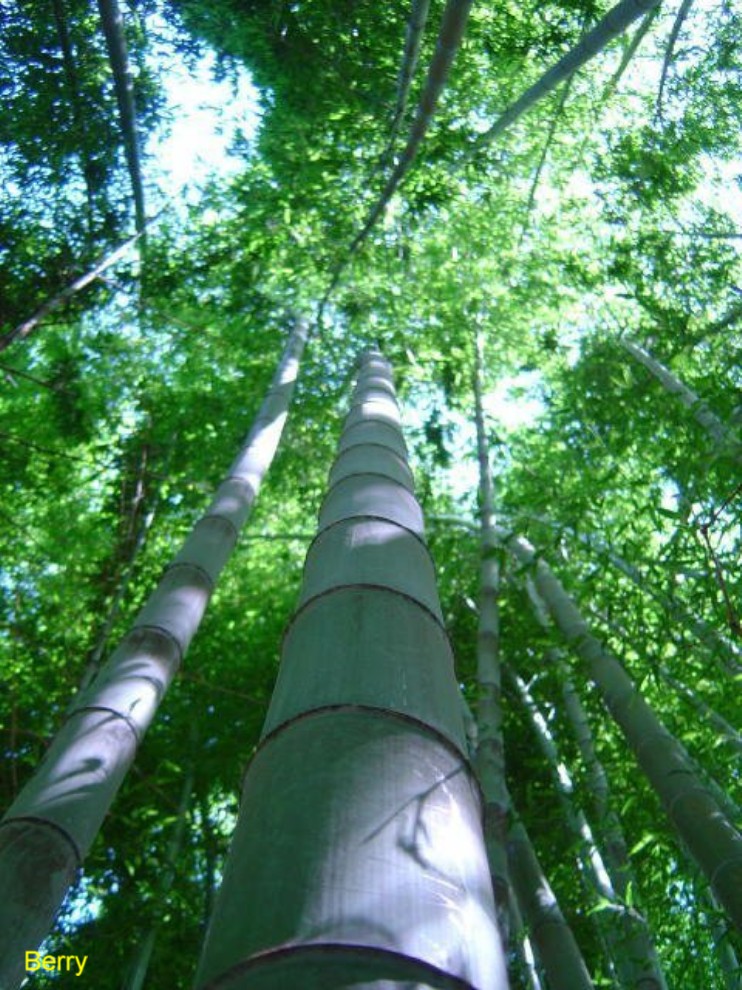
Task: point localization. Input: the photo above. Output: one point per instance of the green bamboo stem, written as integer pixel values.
(723, 440)
(51, 825)
(609, 27)
(113, 30)
(553, 941)
(711, 838)
(413, 39)
(358, 854)
(490, 760)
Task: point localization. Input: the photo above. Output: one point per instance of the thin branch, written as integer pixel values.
(544, 154)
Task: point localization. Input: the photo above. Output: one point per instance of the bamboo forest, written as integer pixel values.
(370, 492)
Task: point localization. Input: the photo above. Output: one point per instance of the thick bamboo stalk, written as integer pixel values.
(711, 838)
(358, 855)
(609, 27)
(49, 828)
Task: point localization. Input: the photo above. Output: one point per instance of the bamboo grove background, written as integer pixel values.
(592, 247)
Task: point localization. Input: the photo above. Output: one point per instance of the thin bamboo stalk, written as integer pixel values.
(711, 838)
(609, 27)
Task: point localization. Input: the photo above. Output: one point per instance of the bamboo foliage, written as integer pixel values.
(51, 825)
(358, 855)
(712, 839)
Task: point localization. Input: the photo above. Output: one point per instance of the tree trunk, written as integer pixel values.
(50, 826)
(358, 855)
(711, 838)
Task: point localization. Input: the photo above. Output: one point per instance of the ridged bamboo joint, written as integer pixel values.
(361, 790)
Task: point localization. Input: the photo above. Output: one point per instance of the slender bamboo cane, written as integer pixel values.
(683, 11)
(413, 39)
(49, 828)
(490, 760)
(725, 731)
(143, 954)
(724, 651)
(622, 927)
(711, 838)
(524, 949)
(113, 29)
(723, 439)
(358, 855)
(609, 27)
(25, 328)
(552, 937)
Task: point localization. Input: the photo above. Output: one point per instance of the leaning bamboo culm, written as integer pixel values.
(358, 857)
(712, 839)
(49, 828)
(724, 441)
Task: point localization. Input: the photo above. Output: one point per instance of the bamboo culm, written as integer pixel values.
(609, 27)
(49, 828)
(413, 39)
(712, 839)
(358, 856)
(490, 759)
(113, 30)
(553, 941)
(723, 439)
